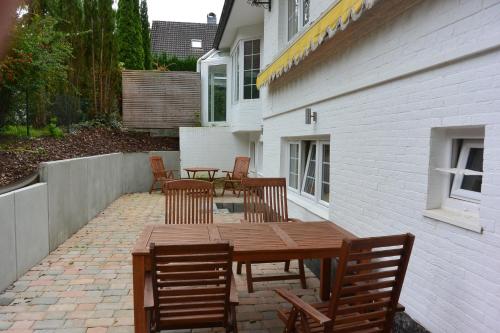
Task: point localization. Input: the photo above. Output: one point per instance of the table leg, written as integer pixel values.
(211, 178)
(325, 279)
(138, 275)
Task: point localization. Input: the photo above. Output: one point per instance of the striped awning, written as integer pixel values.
(325, 27)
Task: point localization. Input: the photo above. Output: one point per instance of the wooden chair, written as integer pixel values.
(366, 292)
(188, 201)
(191, 286)
(160, 174)
(265, 200)
(233, 178)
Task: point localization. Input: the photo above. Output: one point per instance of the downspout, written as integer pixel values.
(203, 57)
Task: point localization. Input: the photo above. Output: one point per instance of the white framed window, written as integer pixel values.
(251, 68)
(217, 93)
(456, 176)
(196, 43)
(298, 16)
(308, 169)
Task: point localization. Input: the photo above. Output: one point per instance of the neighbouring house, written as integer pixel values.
(384, 116)
(183, 39)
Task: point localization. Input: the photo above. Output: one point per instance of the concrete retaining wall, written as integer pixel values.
(24, 231)
(37, 219)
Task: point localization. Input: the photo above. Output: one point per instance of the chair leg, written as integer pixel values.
(152, 187)
(238, 267)
(287, 266)
(302, 274)
(224, 188)
(248, 267)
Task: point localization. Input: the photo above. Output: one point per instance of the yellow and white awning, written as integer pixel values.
(337, 17)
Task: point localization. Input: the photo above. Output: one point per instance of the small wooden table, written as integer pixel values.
(191, 172)
(252, 242)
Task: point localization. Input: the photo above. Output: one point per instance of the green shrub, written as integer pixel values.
(55, 131)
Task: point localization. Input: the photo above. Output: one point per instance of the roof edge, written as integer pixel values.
(226, 12)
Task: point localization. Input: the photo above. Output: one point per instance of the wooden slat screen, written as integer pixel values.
(160, 100)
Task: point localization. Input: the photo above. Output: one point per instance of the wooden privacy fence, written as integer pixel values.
(160, 100)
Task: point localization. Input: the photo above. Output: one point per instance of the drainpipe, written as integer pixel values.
(203, 57)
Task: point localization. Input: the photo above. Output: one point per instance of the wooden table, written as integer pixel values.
(252, 242)
(191, 173)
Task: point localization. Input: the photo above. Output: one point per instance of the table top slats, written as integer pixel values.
(301, 239)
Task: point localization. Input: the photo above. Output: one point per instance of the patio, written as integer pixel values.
(86, 284)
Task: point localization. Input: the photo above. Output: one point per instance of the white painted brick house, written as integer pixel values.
(406, 136)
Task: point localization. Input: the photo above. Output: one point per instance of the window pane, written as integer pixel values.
(247, 62)
(247, 78)
(256, 46)
(310, 177)
(293, 173)
(256, 62)
(217, 93)
(293, 15)
(247, 48)
(305, 12)
(325, 173)
(247, 92)
(255, 92)
(474, 162)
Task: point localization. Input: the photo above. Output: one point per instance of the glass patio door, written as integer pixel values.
(217, 93)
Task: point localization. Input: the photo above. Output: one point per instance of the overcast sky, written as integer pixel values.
(183, 10)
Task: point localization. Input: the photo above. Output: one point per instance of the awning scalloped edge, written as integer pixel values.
(337, 17)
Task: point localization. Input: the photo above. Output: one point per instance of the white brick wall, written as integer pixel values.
(436, 65)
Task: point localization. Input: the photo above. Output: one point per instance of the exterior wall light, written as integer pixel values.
(311, 116)
(260, 3)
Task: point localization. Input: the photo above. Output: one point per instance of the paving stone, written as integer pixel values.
(84, 286)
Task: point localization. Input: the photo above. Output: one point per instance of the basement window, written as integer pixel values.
(456, 176)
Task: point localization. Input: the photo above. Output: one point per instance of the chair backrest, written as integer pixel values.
(188, 201)
(368, 282)
(241, 166)
(265, 200)
(191, 284)
(157, 166)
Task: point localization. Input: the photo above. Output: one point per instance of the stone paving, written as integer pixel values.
(86, 284)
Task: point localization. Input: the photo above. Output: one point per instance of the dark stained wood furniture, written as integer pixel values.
(233, 178)
(191, 173)
(188, 201)
(160, 174)
(366, 291)
(265, 201)
(192, 287)
(251, 241)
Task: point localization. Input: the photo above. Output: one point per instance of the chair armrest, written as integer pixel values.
(302, 306)
(233, 296)
(149, 302)
(291, 219)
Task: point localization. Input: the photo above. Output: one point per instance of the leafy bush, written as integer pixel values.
(55, 131)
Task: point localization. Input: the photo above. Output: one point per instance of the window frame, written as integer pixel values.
(238, 58)
(299, 166)
(235, 55)
(252, 69)
(322, 146)
(303, 169)
(210, 102)
(456, 192)
(301, 22)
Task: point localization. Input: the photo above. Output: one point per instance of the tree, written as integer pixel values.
(129, 35)
(146, 34)
(36, 67)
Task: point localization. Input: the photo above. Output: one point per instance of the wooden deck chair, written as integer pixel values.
(265, 201)
(160, 174)
(233, 178)
(188, 201)
(366, 289)
(191, 286)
